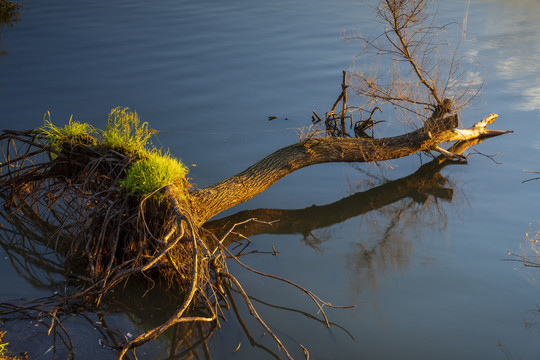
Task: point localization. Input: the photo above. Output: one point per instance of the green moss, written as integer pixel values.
(151, 171)
(154, 170)
(147, 176)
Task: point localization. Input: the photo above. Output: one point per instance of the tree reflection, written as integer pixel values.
(419, 187)
(145, 309)
(411, 203)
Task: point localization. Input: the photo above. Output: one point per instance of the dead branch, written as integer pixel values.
(413, 67)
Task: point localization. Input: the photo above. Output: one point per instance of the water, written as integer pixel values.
(427, 277)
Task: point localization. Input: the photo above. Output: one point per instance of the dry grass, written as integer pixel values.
(530, 249)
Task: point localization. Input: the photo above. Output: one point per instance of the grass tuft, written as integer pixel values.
(55, 136)
(147, 176)
(154, 170)
(150, 171)
(124, 130)
(9, 13)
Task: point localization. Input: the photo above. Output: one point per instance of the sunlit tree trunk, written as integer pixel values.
(212, 200)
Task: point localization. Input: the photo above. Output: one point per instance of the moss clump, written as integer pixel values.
(147, 176)
(149, 171)
(153, 170)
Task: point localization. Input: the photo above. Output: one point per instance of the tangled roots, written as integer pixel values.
(70, 198)
(104, 235)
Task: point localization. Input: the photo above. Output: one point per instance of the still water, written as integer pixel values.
(425, 269)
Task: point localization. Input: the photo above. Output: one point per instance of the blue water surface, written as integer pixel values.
(429, 278)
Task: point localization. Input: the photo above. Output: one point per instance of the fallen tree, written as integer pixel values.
(418, 187)
(425, 182)
(216, 198)
(75, 188)
(113, 208)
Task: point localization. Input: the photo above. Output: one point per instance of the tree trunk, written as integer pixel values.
(212, 200)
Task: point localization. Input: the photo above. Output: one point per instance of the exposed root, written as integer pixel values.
(71, 201)
(104, 235)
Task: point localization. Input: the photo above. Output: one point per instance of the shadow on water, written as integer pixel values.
(28, 245)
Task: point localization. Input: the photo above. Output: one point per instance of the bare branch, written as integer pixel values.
(413, 67)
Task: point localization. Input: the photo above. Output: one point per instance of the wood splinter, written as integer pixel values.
(478, 130)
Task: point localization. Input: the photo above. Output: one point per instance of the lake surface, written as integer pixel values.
(426, 273)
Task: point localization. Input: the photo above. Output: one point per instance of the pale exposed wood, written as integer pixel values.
(477, 130)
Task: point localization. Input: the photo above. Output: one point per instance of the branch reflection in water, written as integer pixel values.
(408, 203)
(38, 261)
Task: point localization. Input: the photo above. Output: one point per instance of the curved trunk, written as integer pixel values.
(212, 200)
